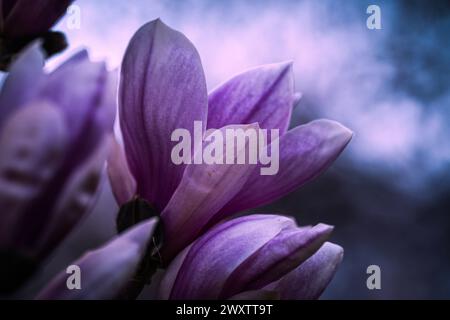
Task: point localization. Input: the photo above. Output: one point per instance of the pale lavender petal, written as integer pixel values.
(76, 199)
(215, 255)
(162, 88)
(84, 98)
(33, 144)
(122, 181)
(203, 191)
(170, 275)
(305, 152)
(23, 81)
(107, 270)
(88, 106)
(309, 280)
(264, 94)
(86, 109)
(107, 104)
(31, 18)
(297, 97)
(276, 258)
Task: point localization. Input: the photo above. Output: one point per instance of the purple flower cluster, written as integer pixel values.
(55, 137)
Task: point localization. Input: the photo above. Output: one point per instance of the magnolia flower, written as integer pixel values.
(254, 257)
(22, 21)
(54, 132)
(105, 271)
(163, 88)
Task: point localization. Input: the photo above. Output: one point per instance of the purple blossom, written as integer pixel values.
(54, 136)
(254, 257)
(106, 270)
(163, 88)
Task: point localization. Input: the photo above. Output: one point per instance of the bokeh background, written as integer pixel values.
(389, 193)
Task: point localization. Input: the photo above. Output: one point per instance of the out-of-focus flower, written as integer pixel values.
(255, 256)
(54, 133)
(106, 271)
(163, 88)
(22, 21)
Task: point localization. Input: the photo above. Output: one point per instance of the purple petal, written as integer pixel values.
(305, 152)
(213, 257)
(120, 177)
(264, 94)
(31, 18)
(106, 107)
(76, 199)
(170, 275)
(105, 271)
(85, 97)
(162, 88)
(256, 295)
(87, 107)
(310, 279)
(297, 97)
(276, 258)
(23, 81)
(203, 191)
(33, 144)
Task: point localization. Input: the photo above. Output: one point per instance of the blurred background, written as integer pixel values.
(388, 195)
